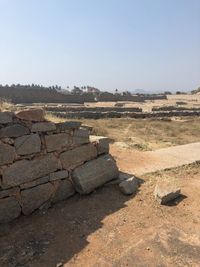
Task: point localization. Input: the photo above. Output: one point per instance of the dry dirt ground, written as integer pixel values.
(107, 228)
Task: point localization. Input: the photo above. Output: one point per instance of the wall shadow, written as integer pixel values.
(46, 238)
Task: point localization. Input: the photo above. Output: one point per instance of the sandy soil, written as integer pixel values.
(107, 228)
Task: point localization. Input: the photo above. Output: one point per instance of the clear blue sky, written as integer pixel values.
(124, 44)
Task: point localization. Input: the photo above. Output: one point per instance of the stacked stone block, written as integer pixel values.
(42, 162)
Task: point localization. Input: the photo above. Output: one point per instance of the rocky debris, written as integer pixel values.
(165, 192)
(64, 189)
(94, 173)
(76, 156)
(58, 175)
(9, 209)
(81, 136)
(35, 114)
(43, 127)
(102, 143)
(24, 171)
(7, 153)
(33, 198)
(129, 186)
(28, 144)
(6, 117)
(15, 130)
(57, 141)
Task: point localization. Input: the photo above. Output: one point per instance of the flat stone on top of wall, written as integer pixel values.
(28, 144)
(101, 142)
(9, 209)
(68, 125)
(81, 136)
(15, 130)
(58, 175)
(24, 171)
(43, 127)
(64, 189)
(94, 173)
(6, 117)
(36, 114)
(7, 153)
(57, 141)
(32, 199)
(78, 155)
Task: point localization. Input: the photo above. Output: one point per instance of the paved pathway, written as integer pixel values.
(145, 162)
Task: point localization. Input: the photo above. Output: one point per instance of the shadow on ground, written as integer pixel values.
(46, 238)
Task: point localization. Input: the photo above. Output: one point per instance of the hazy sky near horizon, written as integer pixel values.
(124, 44)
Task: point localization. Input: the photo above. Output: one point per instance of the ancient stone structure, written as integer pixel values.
(43, 162)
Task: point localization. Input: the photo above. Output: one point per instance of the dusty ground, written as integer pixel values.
(107, 228)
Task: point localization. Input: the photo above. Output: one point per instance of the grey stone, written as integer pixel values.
(7, 140)
(24, 171)
(7, 153)
(122, 177)
(28, 144)
(76, 156)
(15, 191)
(15, 130)
(102, 143)
(9, 209)
(68, 125)
(36, 182)
(166, 191)
(64, 189)
(57, 141)
(6, 117)
(32, 199)
(94, 173)
(129, 186)
(81, 136)
(43, 127)
(36, 114)
(58, 175)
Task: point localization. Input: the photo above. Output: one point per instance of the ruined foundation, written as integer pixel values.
(42, 162)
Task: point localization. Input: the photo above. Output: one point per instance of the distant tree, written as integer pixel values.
(167, 93)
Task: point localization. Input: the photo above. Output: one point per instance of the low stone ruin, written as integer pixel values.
(42, 162)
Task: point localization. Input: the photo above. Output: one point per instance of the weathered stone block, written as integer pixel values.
(76, 156)
(7, 154)
(166, 191)
(129, 186)
(32, 199)
(81, 136)
(57, 141)
(6, 117)
(64, 189)
(43, 127)
(24, 171)
(15, 130)
(68, 125)
(36, 114)
(102, 143)
(15, 191)
(34, 183)
(9, 209)
(94, 174)
(58, 175)
(28, 144)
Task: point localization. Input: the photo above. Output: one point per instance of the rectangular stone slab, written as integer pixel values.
(24, 171)
(76, 156)
(94, 173)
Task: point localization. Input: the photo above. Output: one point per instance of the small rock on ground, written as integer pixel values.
(166, 191)
(129, 186)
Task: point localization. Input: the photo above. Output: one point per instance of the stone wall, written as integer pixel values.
(42, 162)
